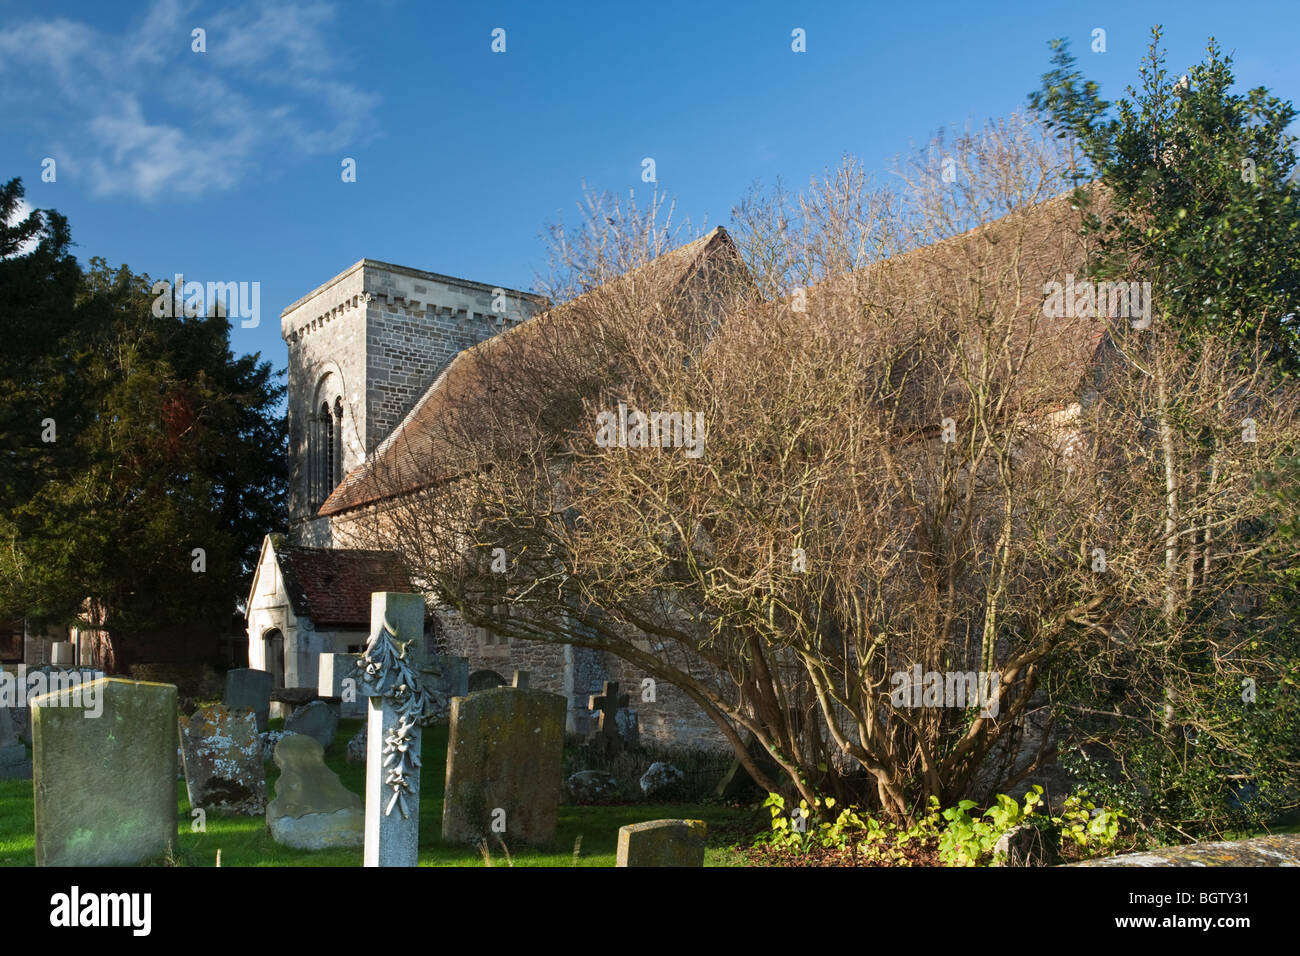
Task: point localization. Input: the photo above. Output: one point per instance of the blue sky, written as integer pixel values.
(225, 165)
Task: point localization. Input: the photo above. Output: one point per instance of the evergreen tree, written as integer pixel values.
(1198, 197)
(170, 464)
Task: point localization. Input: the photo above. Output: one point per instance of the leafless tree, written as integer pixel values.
(905, 462)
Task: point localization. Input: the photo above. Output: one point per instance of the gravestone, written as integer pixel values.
(607, 741)
(504, 766)
(398, 707)
(62, 653)
(340, 681)
(248, 689)
(1026, 845)
(662, 780)
(448, 674)
(222, 753)
(14, 764)
(312, 810)
(105, 786)
(270, 740)
(443, 676)
(357, 746)
(629, 727)
(21, 720)
(592, 787)
(662, 843)
(317, 720)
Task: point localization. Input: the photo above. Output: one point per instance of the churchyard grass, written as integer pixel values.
(17, 833)
(245, 841)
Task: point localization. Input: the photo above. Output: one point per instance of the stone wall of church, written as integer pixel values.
(545, 663)
(665, 714)
(416, 323)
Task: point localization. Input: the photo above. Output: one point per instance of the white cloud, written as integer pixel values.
(140, 114)
(22, 212)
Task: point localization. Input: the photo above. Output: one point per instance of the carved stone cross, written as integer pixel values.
(398, 707)
(608, 703)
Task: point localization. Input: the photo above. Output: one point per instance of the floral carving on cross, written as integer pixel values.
(388, 674)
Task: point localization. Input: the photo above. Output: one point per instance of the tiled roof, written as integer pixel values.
(412, 456)
(1000, 269)
(1003, 264)
(332, 587)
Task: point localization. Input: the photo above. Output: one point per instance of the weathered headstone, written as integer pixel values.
(20, 719)
(504, 761)
(592, 787)
(662, 843)
(737, 781)
(357, 746)
(105, 773)
(661, 779)
(398, 707)
(312, 809)
(270, 740)
(317, 720)
(1026, 845)
(222, 753)
(446, 674)
(629, 727)
(248, 689)
(14, 764)
(339, 680)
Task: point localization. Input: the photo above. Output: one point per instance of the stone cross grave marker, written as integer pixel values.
(607, 739)
(398, 708)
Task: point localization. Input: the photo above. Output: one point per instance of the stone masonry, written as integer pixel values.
(375, 337)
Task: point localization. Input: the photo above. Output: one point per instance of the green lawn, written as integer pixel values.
(245, 841)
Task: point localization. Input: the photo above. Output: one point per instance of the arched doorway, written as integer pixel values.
(273, 648)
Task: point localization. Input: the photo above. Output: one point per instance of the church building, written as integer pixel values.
(367, 351)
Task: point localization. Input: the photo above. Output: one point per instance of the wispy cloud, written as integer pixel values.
(138, 113)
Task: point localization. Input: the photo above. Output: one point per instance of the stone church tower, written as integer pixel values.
(362, 348)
